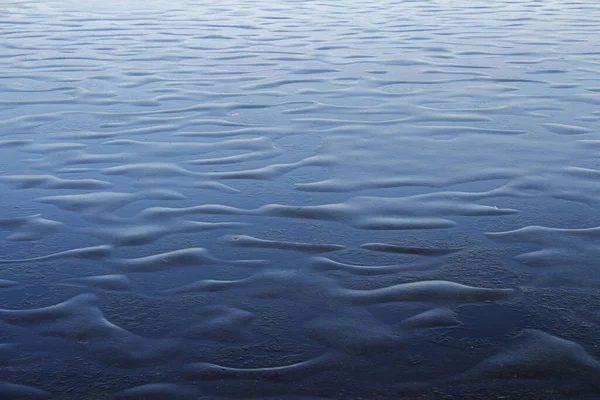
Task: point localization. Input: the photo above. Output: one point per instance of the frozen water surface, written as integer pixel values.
(299, 199)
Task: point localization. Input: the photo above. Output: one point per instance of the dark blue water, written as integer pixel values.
(299, 199)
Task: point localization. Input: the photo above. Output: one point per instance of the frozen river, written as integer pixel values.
(299, 199)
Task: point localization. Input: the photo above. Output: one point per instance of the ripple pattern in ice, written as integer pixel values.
(299, 199)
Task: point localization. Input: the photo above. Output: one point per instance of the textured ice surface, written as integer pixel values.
(299, 199)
